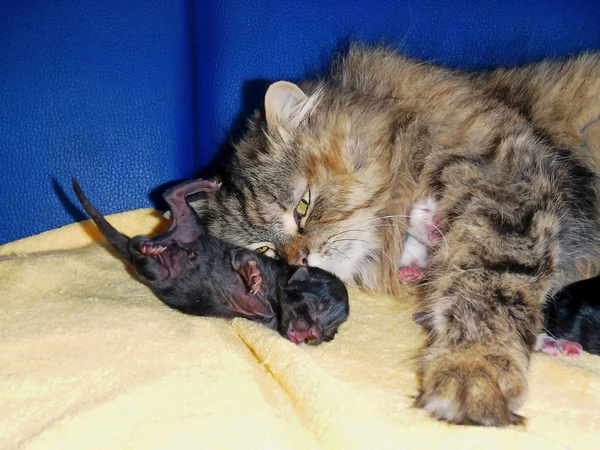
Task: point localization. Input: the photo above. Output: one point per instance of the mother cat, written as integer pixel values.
(327, 170)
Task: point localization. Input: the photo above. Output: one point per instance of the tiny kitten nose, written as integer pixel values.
(301, 259)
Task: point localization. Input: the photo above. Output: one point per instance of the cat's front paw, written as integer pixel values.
(472, 385)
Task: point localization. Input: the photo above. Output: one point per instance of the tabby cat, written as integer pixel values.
(326, 172)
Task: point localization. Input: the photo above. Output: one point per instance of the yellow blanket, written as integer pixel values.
(89, 358)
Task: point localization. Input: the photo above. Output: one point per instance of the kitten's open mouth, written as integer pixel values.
(162, 254)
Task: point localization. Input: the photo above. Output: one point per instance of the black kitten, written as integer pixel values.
(574, 314)
(198, 274)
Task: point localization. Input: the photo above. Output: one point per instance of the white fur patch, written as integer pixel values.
(344, 254)
(421, 219)
(442, 408)
(289, 224)
(414, 253)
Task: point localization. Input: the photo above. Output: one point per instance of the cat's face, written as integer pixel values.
(301, 187)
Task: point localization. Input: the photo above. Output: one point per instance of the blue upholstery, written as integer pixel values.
(129, 95)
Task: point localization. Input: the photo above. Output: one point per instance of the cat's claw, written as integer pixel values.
(409, 275)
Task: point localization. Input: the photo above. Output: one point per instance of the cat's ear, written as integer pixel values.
(301, 274)
(284, 103)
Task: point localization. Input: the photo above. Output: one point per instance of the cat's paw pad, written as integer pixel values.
(251, 273)
(409, 275)
(151, 248)
(472, 386)
(570, 348)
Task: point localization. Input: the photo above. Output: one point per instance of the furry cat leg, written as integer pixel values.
(508, 246)
(484, 324)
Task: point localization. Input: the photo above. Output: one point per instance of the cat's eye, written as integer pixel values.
(267, 251)
(302, 206)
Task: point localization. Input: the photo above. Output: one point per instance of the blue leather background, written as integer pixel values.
(129, 95)
(100, 90)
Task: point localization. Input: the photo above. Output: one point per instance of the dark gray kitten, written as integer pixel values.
(198, 274)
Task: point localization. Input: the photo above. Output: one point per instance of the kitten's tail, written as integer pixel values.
(117, 239)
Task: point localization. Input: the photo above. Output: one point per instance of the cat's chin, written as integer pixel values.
(342, 268)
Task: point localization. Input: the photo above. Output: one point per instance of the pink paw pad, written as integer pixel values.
(570, 348)
(548, 346)
(409, 275)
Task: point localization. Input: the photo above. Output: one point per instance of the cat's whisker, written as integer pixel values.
(359, 230)
(371, 226)
(349, 239)
(362, 240)
(428, 223)
(340, 251)
(394, 263)
(373, 219)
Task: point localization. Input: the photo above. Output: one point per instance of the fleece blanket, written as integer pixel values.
(90, 359)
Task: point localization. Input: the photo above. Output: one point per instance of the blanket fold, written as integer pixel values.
(89, 358)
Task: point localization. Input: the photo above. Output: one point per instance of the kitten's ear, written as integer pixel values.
(283, 104)
(301, 274)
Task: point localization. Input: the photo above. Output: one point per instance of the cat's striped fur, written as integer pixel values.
(502, 152)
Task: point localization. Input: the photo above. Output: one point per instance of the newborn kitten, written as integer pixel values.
(198, 274)
(573, 317)
(423, 230)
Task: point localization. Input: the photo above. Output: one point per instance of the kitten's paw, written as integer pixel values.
(553, 347)
(570, 348)
(547, 345)
(409, 275)
(472, 385)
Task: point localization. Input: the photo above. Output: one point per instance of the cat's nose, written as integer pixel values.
(302, 258)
